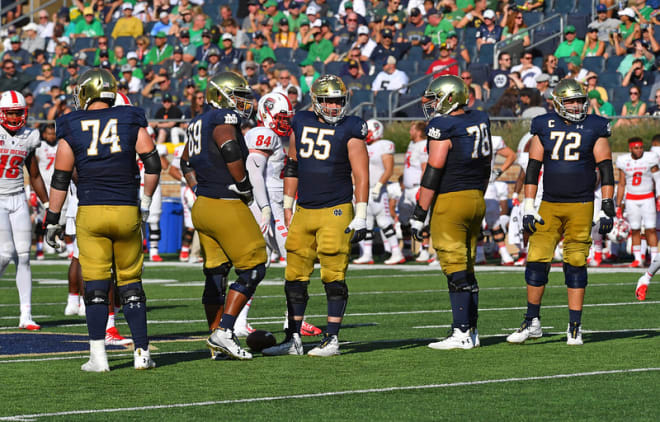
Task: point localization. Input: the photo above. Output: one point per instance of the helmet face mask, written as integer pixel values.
(13, 110)
(276, 112)
(444, 95)
(95, 85)
(229, 90)
(570, 100)
(330, 98)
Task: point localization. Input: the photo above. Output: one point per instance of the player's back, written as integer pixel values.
(14, 149)
(103, 142)
(568, 159)
(469, 159)
(204, 155)
(416, 154)
(376, 151)
(46, 156)
(324, 169)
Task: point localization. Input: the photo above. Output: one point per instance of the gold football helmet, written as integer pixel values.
(327, 93)
(570, 89)
(93, 85)
(444, 95)
(230, 90)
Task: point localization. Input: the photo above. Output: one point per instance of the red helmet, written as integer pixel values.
(276, 112)
(13, 110)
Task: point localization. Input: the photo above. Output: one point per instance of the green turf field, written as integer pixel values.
(385, 372)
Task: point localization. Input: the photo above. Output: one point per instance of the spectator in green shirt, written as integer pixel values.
(160, 52)
(437, 28)
(260, 51)
(321, 48)
(89, 26)
(201, 78)
(102, 43)
(571, 46)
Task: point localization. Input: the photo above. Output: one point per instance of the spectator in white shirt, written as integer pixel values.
(390, 78)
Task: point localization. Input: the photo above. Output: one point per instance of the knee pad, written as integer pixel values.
(536, 273)
(472, 279)
(336, 290)
(23, 258)
(461, 282)
(188, 236)
(131, 294)
(154, 235)
(575, 277)
(406, 230)
(498, 234)
(389, 231)
(248, 280)
(369, 235)
(96, 292)
(296, 292)
(215, 285)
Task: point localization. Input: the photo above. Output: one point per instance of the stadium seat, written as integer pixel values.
(580, 23)
(583, 8)
(382, 99)
(413, 110)
(613, 62)
(480, 72)
(283, 54)
(423, 65)
(417, 89)
(127, 42)
(83, 42)
(495, 94)
(319, 67)
(485, 54)
(334, 68)
(532, 18)
(409, 67)
(34, 70)
(621, 93)
(609, 79)
(290, 66)
(415, 53)
(360, 96)
(561, 63)
(552, 26)
(563, 6)
(147, 30)
(58, 72)
(549, 45)
(299, 55)
(594, 63)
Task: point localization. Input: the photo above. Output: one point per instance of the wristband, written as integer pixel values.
(288, 202)
(361, 210)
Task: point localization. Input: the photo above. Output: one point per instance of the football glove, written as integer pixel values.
(189, 197)
(495, 174)
(530, 216)
(375, 191)
(514, 199)
(619, 212)
(606, 215)
(54, 231)
(359, 223)
(417, 222)
(265, 220)
(244, 190)
(145, 203)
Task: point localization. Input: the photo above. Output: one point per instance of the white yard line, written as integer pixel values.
(327, 394)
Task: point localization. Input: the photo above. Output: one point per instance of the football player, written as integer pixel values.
(325, 148)
(569, 144)
(17, 146)
(188, 198)
(381, 167)
(101, 142)
(458, 170)
(637, 173)
(213, 163)
(413, 168)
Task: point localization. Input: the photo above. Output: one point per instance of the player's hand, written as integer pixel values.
(619, 210)
(375, 191)
(54, 231)
(495, 174)
(607, 214)
(145, 204)
(417, 222)
(189, 197)
(265, 220)
(360, 226)
(244, 190)
(530, 216)
(514, 199)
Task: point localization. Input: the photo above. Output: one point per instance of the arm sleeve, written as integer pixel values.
(256, 167)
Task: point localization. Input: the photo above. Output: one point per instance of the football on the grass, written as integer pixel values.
(260, 340)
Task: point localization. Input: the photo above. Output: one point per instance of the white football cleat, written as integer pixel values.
(423, 256)
(290, 346)
(329, 347)
(226, 342)
(113, 338)
(81, 309)
(142, 359)
(396, 258)
(474, 335)
(527, 330)
(642, 287)
(243, 331)
(457, 340)
(27, 323)
(98, 359)
(574, 335)
(522, 260)
(71, 309)
(364, 260)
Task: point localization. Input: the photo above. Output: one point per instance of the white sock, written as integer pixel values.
(654, 267)
(24, 283)
(644, 246)
(40, 246)
(394, 244)
(69, 248)
(366, 245)
(111, 321)
(73, 299)
(637, 252)
(654, 252)
(241, 319)
(504, 253)
(153, 251)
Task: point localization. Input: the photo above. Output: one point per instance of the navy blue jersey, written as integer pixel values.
(468, 161)
(569, 168)
(324, 170)
(204, 155)
(103, 142)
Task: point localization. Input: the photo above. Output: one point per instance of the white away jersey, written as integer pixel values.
(176, 162)
(376, 151)
(46, 156)
(498, 144)
(639, 180)
(13, 152)
(416, 155)
(265, 139)
(656, 150)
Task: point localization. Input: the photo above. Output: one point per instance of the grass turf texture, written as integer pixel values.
(387, 327)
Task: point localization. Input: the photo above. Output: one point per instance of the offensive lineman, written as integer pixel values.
(101, 141)
(213, 163)
(17, 145)
(637, 173)
(325, 148)
(458, 170)
(569, 144)
(381, 167)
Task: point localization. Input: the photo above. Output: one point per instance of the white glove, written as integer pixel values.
(359, 223)
(375, 191)
(530, 216)
(189, 197)
(265, 220)
(54, 234)
(145, 203)
(494, 174)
